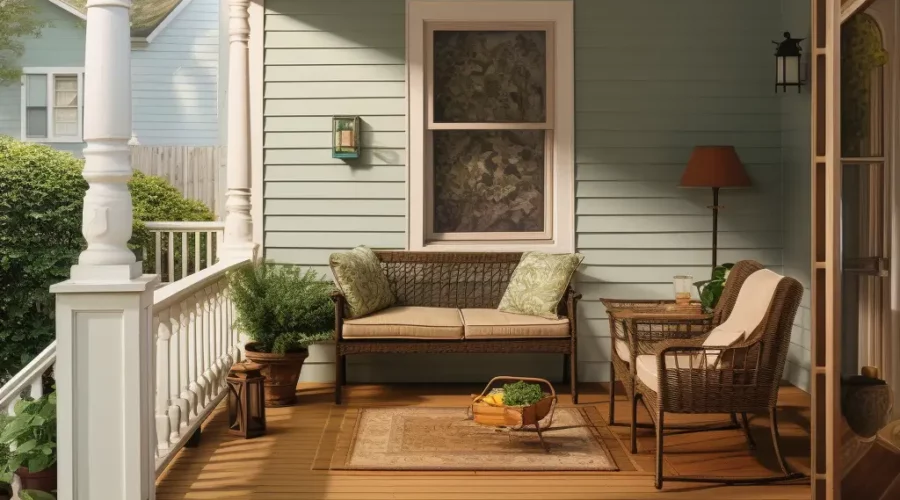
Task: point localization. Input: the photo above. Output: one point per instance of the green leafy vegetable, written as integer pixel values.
(711, 289)
(522, 394)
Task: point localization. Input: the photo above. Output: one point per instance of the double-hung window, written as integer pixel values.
(491, 125)
(52, 104)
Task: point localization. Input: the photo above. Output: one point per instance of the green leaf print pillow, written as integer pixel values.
(538, 283)
(359, 276)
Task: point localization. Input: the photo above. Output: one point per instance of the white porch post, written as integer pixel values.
(238, 222)
(104, 342)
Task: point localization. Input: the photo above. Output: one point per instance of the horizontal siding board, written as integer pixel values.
(329, 107)
(293, 57)
(730, 240)
(368, 123)
(350, 224)
(611, 171)
(335, 190)
(334, 239)
(674, 257)
(761, 205)
(368, 157)
(326, 73)
(276, 140)
(347, 23)
(335, 207)
(314, 173)
(341, 90)
(327, 40)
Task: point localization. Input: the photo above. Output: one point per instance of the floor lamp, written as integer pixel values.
(714, 167)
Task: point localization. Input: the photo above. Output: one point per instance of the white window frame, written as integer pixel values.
(51, 74)
(558, 15)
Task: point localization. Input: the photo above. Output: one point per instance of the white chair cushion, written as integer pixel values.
(646, 367)
(749, 310)
(623, 351)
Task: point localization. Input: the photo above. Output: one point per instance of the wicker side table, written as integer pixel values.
(639, 325)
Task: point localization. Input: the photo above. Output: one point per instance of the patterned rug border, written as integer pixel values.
(338, 440)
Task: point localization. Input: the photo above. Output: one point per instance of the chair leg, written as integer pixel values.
(612, 394)
(734, 420)
(659, 450)
(773, 423)
(573, 376)
(750, 442)
(634, 402)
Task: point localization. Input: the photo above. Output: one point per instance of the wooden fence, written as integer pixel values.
(196, 171)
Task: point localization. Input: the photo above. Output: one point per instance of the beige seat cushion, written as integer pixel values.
(407, 323)
(645, 365)
(491, 323)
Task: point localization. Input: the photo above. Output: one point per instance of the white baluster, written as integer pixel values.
(199, 333)
(157, 236)
(222, 354)
(193, 386)
(37, 387)
(215, 338)
(178, 409)
(171, 259)
(163, 330)
(208, 331)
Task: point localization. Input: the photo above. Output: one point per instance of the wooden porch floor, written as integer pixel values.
(278, 465)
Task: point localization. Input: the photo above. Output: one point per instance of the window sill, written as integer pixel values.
(492, 246)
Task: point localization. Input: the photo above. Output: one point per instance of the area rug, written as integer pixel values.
(425, 438)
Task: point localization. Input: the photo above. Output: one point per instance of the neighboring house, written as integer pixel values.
(175, 70)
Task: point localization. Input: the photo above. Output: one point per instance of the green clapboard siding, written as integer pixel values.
(648, 89)
(795, 140)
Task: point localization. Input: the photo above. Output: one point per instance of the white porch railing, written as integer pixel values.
(29, 381)
(196, 345)
(182, 248)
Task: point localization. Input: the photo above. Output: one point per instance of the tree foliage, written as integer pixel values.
(18, 21)
(41, 199)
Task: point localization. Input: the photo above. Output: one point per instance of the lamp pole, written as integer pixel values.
(715, 235)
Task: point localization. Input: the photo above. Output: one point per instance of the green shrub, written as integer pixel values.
(522, 393)
(41, 199)
(32, 434)
(281, 308)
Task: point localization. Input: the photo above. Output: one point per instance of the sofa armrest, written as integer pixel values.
(339, 306)
(569, 304)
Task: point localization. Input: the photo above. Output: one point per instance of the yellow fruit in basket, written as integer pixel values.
(494, 399)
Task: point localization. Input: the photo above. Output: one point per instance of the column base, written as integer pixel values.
(121, 273)
(238, 251)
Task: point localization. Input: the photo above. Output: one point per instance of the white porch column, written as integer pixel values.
(238, 222)
(104, 343)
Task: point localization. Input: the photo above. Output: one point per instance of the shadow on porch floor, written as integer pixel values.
(278, 465)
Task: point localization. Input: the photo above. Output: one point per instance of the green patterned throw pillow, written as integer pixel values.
(538, 283)
(359, 276)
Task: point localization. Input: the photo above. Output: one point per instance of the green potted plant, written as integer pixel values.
(283, 310)
(711, 289)
(31, 434)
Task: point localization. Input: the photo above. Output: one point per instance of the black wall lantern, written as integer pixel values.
(787, 63)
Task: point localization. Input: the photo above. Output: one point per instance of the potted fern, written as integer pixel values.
(31, 437)
(283, 310)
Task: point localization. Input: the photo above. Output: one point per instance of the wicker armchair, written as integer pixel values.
(740, 378)
(633, 336)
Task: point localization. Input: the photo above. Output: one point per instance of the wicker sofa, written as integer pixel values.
(447, 303)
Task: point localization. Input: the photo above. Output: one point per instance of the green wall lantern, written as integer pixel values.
(787, 63)
(345, 142)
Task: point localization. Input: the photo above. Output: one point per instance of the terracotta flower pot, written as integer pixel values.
(44, 480)
(282, 371)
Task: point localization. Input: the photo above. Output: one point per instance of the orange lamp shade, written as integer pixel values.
(714, 167)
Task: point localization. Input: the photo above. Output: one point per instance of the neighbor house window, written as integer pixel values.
(491, 120)
(52, 104)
